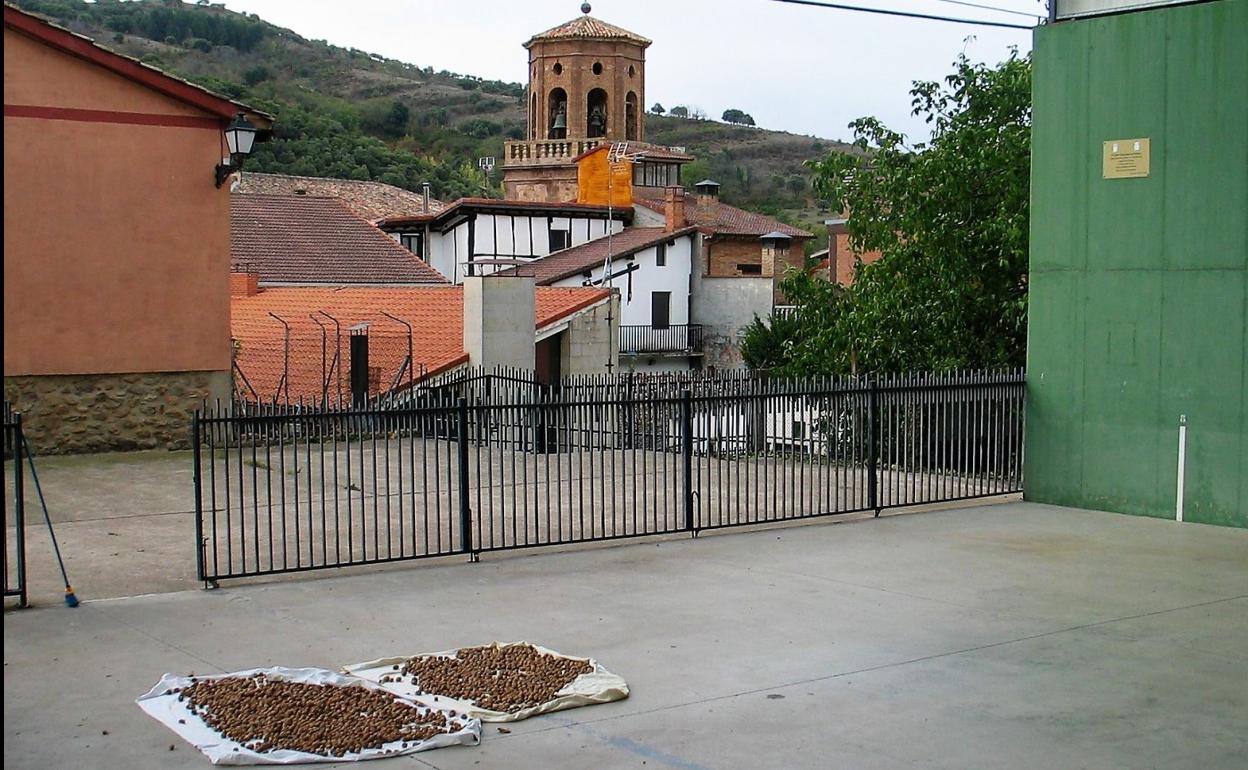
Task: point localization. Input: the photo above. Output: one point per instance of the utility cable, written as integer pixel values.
(998, 9)
(906, 14)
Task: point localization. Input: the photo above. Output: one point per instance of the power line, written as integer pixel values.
(992, 8)
(907, 14)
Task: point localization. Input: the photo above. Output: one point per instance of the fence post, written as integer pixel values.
(465, 513)
(873, 419)
(686, 448)
(197, 480)
(19, 507)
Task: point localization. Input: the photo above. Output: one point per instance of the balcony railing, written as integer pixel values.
(677, 338)
(546, 150)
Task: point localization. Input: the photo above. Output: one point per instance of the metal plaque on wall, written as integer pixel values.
(1125, 158)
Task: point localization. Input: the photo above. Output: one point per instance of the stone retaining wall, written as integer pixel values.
(71, 414)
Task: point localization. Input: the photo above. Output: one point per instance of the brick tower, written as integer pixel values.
(586, 87)
(594, 75)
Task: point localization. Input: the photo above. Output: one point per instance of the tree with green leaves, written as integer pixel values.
(950, 219)
(657, 109)
(680, 111)
(737, 116)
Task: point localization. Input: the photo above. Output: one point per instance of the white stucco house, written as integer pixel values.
(480, 236)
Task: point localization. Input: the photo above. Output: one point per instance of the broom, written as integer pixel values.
(70, 599)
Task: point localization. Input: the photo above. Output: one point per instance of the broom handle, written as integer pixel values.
(30, 461)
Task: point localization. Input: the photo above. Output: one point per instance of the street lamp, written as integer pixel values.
(240, 136)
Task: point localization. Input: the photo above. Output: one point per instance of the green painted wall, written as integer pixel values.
(1139, 287)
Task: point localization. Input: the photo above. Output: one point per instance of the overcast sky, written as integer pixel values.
(795, 68)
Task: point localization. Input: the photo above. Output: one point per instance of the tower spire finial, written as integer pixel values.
(586, 8)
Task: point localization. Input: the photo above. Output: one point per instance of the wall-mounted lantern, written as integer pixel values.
(240, 136)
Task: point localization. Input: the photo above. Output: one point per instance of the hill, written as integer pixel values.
(350, 113)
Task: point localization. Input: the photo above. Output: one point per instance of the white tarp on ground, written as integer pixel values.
(163, 706)
(597, 686)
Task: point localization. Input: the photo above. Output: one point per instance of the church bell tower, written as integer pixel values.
(587, 80)
(587, 86)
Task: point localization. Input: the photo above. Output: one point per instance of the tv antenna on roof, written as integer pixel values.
(618, 157)
(486, 164)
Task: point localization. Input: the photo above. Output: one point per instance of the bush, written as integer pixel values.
(479, 128)
(256, 75)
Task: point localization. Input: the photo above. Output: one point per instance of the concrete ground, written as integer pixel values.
(125, 522)
(1012, 635)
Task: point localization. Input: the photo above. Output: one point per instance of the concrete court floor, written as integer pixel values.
(1004, 636)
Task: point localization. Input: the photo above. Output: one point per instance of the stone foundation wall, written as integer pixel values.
(71, 414)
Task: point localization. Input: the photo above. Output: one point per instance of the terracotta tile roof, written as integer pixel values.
(588, 27)
(717, 217)
(311, 240)
(578, 259)
(435, 313)
(459, 205)
(368, 200)
(130, 68)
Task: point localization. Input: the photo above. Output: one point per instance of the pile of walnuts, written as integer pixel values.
(266, 714)
(505, 679)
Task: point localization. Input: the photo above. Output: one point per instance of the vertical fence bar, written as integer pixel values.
(465, 512)
(686, 449)
(873, 416)
(197, 481)
(14, 443)
(19, 499)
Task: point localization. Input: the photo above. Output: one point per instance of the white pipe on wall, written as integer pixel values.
(1178, 503)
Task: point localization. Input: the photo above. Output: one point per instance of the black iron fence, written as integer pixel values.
(674, 338)
(14, 554)
(485, 463)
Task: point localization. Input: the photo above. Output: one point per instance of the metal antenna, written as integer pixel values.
(410, 362)
(618, 157)
(324, 363)
(337, 352)
(283, 383)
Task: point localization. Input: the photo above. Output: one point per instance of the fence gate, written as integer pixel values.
(484, 464)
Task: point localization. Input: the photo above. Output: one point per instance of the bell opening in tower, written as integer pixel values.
(630, 117)
(558, 114)
(596, 113)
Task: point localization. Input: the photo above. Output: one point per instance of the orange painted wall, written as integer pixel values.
(116, 241)
(593, 172)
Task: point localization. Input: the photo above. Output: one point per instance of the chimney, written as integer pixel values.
(244, 283)
(836, 228)
(674, 208)
(360, 369)
(500, 315)
(424, 193)
(707, 191)
(775, 259)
